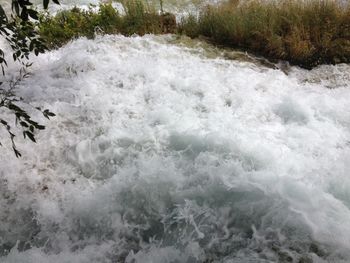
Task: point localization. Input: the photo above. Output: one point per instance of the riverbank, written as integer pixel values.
(306, 34)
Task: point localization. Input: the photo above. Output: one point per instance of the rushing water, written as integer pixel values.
(163, 150)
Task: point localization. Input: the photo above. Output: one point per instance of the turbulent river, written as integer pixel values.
(164, 150)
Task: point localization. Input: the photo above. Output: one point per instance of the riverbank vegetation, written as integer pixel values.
(305, 33)
(138, 19)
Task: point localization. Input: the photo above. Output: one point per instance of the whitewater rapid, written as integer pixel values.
(161, 153)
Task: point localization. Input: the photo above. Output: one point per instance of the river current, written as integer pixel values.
(163, 151)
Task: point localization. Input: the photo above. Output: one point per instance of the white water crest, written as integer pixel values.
(159, 153)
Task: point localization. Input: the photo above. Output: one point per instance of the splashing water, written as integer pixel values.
(164, 152)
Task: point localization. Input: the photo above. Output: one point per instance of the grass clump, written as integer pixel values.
(69, 24)
(306, 33)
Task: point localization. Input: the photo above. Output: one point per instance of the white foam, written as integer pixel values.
(160, 154)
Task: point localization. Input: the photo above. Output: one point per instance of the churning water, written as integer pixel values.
(161, 153)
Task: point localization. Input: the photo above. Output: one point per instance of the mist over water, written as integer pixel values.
(161, 152)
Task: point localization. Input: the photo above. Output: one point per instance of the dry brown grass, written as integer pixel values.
(306, 33)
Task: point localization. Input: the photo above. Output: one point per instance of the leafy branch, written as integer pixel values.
(14, 104)
(20, 32)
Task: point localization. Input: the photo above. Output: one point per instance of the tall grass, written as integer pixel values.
(306, 33)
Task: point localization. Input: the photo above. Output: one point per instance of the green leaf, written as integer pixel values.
(46, 3)
(3, 14)
(17, 153)
(30, 136)
(3, 122)
(24, 124)
(33, 14)
(15, 6)
(15, 108)
(24, 14)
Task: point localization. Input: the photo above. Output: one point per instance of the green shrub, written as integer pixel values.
(107, 19)
(138, 19)
(70, 24)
